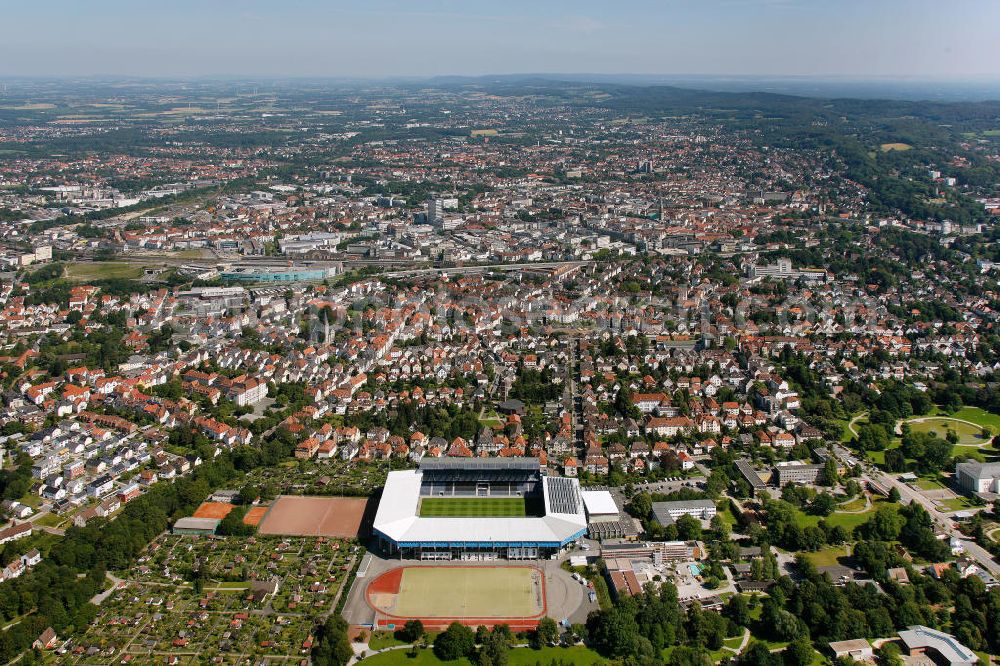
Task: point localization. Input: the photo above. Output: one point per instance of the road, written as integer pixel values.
(484, 268)
(99, 598)
(909, 494)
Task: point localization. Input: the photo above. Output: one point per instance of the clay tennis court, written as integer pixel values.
(294, 515)
(216, 510)
(254, 515)
(475, 595)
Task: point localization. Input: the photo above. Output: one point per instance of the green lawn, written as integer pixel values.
(402, 657)
(931, 483)
(846, 520)
(576, 654)
(733, 642)
(101, 270)
(956, 503)
(383, 639)
(473, 507)
(974, 452)
(855, 504)
(516, 657)
(980, 417)
(50, 520)
(727, 516)
(968, 435)
(827, 556)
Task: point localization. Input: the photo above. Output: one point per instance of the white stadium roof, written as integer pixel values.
(397, 518)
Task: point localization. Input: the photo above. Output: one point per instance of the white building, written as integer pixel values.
(977, 477)
(666, 513)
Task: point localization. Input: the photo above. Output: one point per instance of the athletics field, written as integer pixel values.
(439, 595)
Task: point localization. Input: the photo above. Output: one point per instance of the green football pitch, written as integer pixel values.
(473, 507)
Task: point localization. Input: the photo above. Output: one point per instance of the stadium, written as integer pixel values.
(478, 509)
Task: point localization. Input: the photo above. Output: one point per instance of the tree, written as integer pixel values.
(930, 451)
(412, 631)
(823, 505)
(737, 609)
(494, 649)
(758, 654)
(888, 655)
(547, 632)
(798, 653)
(830, 475)
(614, 632)
(332, 645)
(894, 495)
(688, 528)
(684, 655)
(233, 525)
(641, 505)
(455, 642)
(895, 460)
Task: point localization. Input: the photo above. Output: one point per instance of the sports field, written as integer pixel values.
(459, 593)
(217, 510)
(473, 507)
(296, 515)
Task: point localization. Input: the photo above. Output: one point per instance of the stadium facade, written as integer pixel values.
(558, 520)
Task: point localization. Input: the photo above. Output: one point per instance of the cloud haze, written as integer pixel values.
(952, 40)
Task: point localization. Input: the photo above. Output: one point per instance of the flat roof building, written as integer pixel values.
(796, 473)
(666, 513)
(196, 526)
(857, 649)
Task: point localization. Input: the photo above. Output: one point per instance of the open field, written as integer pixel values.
(827, 556)
(474, 595)
(293, 515)
(846, 520)
(886, 147)
(473, 507)
(980, 417)
(38, 106)
(968, 434)
(101, 270)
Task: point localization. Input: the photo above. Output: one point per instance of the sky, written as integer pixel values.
(952, 40)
